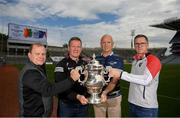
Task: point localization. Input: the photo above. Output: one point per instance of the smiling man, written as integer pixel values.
(73, 102)
(144, 79)
(111, 96)
(35, 91)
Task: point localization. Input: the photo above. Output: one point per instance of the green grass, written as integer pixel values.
(168, 91)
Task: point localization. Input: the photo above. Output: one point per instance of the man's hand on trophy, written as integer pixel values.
(104, 96)
(75, 74)
(115, 73)
(82, 99)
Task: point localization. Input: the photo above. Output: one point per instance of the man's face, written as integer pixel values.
(141, 45)
(107, 44)
(75, 49)
(37, 55)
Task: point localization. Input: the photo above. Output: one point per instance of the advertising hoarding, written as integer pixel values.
(26, 34)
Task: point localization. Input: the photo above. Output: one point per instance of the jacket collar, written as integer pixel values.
(140, 56)
(108, 55)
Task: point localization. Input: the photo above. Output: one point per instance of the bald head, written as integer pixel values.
(107, 36)
(106, 44)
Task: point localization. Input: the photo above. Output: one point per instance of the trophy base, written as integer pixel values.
(94, 99)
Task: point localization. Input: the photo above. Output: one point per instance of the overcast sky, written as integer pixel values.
(90, 19)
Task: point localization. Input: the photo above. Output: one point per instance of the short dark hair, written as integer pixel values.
(74, 38)
(37, 44)
(141, 35)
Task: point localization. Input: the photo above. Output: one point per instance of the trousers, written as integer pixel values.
(138, 111)
(72, 109)
(112, 107)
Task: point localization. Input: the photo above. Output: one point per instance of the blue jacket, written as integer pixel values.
(115, 62)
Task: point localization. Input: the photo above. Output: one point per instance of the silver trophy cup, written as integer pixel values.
(94, 80)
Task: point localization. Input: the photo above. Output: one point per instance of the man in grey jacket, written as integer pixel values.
(35, 91)
(144, 80)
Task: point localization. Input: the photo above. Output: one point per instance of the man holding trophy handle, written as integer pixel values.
(72, 102)
(111, 95)
(144, 79)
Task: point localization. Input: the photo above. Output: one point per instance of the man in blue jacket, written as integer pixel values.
(111, 95)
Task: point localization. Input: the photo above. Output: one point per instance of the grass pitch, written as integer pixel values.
(168, 91)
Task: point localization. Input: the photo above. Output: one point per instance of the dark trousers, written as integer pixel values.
(138, 111)
(72, 109)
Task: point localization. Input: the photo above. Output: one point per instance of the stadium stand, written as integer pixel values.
(172, 24)
(54, 52)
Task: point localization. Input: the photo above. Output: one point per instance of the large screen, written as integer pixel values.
(26, 34)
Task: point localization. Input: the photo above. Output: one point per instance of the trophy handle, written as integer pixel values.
(106, 70)
(82, 72)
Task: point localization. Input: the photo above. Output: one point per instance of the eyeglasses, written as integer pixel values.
(141, 44)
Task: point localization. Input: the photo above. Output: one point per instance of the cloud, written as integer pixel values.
(80, 9)
(130, 14)
(20, 11)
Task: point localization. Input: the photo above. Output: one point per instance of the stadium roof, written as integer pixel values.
(171, 24)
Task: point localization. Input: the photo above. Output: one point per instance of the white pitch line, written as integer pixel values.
(164, 96)
(178, 99)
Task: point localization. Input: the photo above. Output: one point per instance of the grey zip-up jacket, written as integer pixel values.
(35, 91)
(144, 79)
